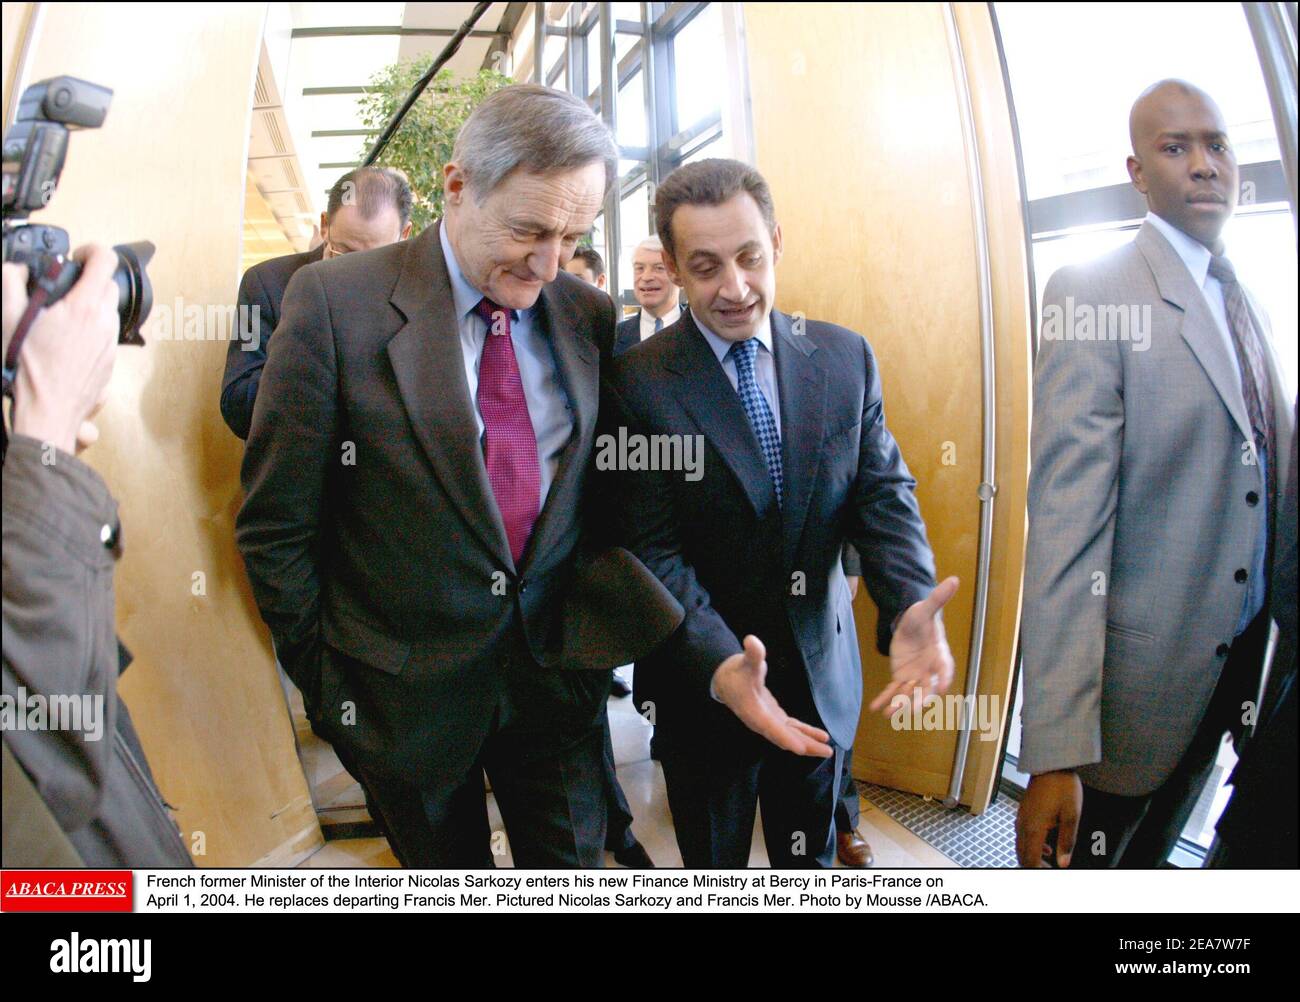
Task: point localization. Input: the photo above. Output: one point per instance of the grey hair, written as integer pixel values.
(650, 243)
(533, 127)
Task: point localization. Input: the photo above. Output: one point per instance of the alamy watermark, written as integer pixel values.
(181, 321)
(1088, 322)
(946, 713)
(635, 452)
(57, 712)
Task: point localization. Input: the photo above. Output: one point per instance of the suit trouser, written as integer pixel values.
(1140, 832)
(848, 810)
(550, 787)
(713, 792)
(618, 834)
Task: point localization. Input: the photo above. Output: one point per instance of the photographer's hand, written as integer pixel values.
(67, 359)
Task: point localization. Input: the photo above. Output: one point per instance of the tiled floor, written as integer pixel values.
(643, 784)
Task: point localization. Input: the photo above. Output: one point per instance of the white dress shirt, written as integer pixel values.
(548, 404)
(648, 320)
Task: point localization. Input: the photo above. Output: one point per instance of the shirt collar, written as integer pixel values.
(669, 318)
(1195, 255)
(721, 346)
(464, 295)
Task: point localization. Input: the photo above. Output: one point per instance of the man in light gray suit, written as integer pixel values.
(1160, 430)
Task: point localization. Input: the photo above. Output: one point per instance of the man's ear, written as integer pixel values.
(406, 231)
(324, 226)
(776, 244)
(600, 282)
(1134, 165)
(671, 265)
(453, 183)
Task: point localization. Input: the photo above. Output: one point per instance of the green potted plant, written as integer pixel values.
(423, 142)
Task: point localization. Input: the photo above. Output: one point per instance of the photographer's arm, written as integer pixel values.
(286, 467)
(60, 534)
(60, 524)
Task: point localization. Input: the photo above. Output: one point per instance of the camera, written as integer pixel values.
(35, 149)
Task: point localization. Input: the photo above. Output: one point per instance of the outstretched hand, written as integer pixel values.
(919, 660)
(740, 683)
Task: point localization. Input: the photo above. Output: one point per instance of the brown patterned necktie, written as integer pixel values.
(1248, 341)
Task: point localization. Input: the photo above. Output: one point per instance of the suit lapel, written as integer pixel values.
(801, 385)
(430, 371)
(577, 364)
(1199, 328)
(708, 396)
(628, 333)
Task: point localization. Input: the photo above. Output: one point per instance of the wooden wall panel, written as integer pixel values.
(856, 119)
(169, 166)
(15, 24)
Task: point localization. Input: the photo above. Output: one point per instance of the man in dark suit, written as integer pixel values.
(655, 292)
(1260, 824)
(588, 265)
(792, 460)
(415, 477)
(367, 208)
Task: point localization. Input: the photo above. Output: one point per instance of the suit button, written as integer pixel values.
(1252, 498)
(523, 586)
(1221, 650)
(1241, 575)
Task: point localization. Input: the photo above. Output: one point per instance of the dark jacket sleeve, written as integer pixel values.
(61, 540)
(851, 562)
(58, 620)
(285, 472)
(627, 333)
(649, 529)
(885, 525)
(246, 356)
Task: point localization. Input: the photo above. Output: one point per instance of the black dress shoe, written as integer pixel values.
(618, 688)
(634, 857)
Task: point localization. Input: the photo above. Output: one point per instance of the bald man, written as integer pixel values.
(1161, 429)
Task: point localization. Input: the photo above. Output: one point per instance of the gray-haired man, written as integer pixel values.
(414, 475)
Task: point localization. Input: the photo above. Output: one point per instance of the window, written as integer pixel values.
(632, 128)
(658, 128)
(699, 70)
(634, 214)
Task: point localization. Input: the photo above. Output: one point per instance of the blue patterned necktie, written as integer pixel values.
(659, 324)
(756, 408)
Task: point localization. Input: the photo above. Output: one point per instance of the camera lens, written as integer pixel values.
(134, 291)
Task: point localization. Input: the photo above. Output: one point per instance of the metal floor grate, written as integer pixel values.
(987, 840)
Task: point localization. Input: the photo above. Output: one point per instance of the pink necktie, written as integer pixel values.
(509, 445)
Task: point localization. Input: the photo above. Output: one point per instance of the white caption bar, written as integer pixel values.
(715, 891)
